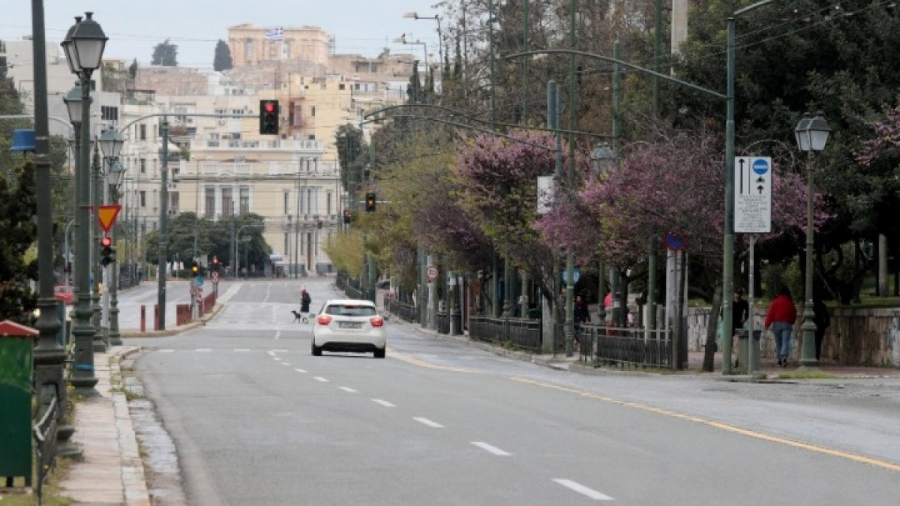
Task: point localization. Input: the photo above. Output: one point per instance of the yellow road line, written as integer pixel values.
(421, 363)
(719, 425)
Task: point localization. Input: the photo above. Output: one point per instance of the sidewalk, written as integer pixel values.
(109, 470)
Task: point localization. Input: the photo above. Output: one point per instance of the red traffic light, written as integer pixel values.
(270, 107)
(106, 242)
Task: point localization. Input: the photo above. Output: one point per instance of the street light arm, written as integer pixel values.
(620, 62)
(483, 130)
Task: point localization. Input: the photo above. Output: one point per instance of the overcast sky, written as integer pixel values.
(134, 27)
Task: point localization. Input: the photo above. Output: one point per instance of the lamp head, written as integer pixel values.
(116, 174)
(89, 41)
(74, 103)
(411, 15)
(111, 143)
(69, 48)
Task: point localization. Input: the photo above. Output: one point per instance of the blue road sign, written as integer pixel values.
(576, 275)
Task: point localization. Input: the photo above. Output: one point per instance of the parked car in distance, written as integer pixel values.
(65, 294)
(349, 325)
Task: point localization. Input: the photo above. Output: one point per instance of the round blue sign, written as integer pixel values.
(760, 166)
(675, 241)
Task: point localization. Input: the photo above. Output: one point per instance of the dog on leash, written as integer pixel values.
(300, 317)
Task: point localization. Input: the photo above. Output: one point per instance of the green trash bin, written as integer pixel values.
(16, 343)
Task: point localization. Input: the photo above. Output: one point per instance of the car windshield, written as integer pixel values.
(350, 310)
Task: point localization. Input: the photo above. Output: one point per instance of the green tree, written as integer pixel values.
(18, 229)
(133, 69)
(222, 59)
(352, 155)
(165, 54)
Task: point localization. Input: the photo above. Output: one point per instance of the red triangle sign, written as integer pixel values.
(106, 215)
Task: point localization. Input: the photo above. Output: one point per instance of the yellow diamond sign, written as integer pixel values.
(106, 215)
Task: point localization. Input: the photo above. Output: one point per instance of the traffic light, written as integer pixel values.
(107, 251)
(268, 117)
(370, 202)
(215, 263)
(195, 270)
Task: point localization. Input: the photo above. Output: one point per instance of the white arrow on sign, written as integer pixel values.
(753, 194)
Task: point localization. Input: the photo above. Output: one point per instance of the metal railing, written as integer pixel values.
(625, 346)
(45, 431)
(406, 312)
(350, 286)
(520, 333)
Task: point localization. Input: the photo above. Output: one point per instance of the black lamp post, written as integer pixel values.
(49, 355)
(812, 134)
(111, 142)
(83, 45)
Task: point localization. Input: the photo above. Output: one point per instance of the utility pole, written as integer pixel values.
(163, 221)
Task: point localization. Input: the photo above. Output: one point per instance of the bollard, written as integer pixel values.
(156, 317)
(16, 362)
(143, 318)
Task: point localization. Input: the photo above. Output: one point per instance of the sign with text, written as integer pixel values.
(752, 195)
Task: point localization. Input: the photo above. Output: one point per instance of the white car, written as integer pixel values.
(349, 325)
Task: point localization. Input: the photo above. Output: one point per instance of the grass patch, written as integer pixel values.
(805, 375)
(50, 493)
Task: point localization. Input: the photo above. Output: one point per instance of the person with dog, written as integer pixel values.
(305, 301)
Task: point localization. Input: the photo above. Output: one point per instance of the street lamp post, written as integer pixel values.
(111, 143)
(83, 45)
(415, 15)
(812, 134)
(49, 355)
(402, 40)
(728, 244)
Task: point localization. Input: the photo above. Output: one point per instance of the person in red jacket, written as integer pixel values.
(780, 318)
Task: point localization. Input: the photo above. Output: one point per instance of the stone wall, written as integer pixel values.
(856, 336)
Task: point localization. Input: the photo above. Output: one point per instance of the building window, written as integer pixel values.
(143, 165)
(109, 113)
(248, 50)
(286, 198)
(143, 196)
(142, 135)
(312, 112)
(328, 204)
(227, 202)
(245, 200)
(210, 207)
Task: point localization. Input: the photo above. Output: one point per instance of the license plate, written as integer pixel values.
(350, 325)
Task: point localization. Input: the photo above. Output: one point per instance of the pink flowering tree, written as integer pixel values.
(498, 182)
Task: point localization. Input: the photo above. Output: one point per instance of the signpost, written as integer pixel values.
(432, 272)
(753, 194)
(752, 215)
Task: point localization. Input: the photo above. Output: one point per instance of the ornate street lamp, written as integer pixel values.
(812, 134)
(111, 142)
(83, 45)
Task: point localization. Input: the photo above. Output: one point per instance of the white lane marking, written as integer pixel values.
(428, 422)
(581, 489)
(204, 350)
(277, 334)
(273, 352)
(490, 448)
(242, 349)
(384, 403)
(301, 370)
(165, 351)
(277, 358)
(319, 378)
(285, 363)
(348, 389)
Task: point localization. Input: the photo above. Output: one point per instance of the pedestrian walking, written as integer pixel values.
(305, 301)
(822, 320)
(582, 315)
(780, 318)
(740, 311)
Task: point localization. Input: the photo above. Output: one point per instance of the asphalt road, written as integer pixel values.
(257, 420)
